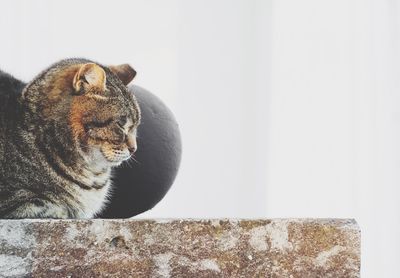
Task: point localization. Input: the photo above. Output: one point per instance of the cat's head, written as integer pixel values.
(88, 104)
(104, 115)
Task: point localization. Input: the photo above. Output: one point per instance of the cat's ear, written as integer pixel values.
(124, 72)
(89, 75)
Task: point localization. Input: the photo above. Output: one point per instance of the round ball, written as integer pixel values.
(139, 185)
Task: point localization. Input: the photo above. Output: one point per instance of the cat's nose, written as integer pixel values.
(132, 150)
(131, 144)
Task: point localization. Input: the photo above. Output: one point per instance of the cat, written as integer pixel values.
(60, 137)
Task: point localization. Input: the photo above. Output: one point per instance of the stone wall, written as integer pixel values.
(180, 248)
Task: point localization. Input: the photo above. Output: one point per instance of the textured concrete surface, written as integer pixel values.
(179, 248)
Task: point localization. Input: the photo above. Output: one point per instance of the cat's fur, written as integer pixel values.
(60, 136)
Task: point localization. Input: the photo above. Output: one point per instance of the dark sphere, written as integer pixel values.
(139, 186)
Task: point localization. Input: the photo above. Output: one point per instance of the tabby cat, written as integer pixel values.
(60, 137)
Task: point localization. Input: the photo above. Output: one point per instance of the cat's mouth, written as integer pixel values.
(116, 157)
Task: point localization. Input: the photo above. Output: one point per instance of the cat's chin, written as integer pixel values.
(116, 162)
(103, 163)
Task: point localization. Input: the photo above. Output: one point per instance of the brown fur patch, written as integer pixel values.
(59, 86)
(77, 111)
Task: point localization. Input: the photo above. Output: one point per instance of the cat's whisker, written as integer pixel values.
(134, 159)
(128, 163)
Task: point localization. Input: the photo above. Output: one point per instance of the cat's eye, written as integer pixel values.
(121, 122)
(97, 124)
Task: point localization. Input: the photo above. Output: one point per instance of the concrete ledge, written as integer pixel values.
(180, 248)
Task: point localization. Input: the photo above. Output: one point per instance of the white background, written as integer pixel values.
(287, 108)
